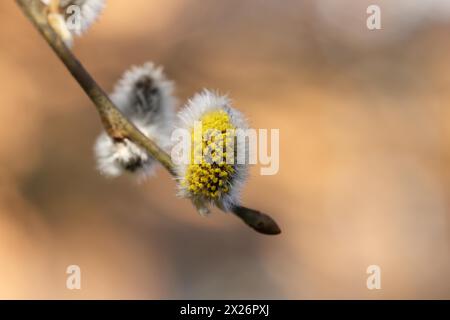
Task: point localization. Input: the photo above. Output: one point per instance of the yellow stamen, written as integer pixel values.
(209, 176)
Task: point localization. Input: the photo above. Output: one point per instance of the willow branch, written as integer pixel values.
(115, 123)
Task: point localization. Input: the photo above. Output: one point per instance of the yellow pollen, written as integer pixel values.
(210, 176)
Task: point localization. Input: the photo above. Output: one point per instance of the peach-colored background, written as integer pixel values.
(364, 119)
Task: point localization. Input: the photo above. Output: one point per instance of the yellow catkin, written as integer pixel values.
(211, 178)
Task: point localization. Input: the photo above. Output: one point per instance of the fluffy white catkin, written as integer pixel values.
(145, 97)
(74, 17)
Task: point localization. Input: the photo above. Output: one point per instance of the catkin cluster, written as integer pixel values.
(211, 175)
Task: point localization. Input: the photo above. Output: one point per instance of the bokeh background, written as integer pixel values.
(364, 178)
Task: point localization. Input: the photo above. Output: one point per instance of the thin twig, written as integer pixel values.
(114, 122)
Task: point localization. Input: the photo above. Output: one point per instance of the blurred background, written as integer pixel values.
(364, 176)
